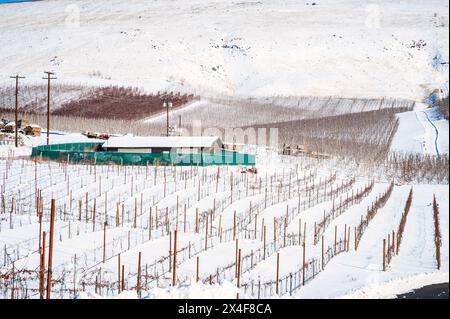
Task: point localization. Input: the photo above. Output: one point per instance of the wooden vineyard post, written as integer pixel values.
(37, 202)
(384, 254)
(42, 268)
(196, 220)
(50, 249)
(87, 207)
(217, 179)
(398, 244)
(278, 272)
(80, 204)
(315, 233)
(106, 205)
(198, 268)
(138, 284)
(393, 241)
(123, 278)
(388, 250)
(214, 210)
(262, 229)
(123, 215)
(304, 233)
(150, 225)
(236, 258)
(284, 233)
(74, 275)
(231, 185)
(275, 230)
(93, 214)
(356, 244)
(117, 215)
(40, 228)
(174, 273)
(345, 237)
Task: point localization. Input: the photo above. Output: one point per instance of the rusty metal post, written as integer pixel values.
(42, 268)
(50, 249)
(196, 220)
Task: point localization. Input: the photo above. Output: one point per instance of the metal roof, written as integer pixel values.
(161, 141)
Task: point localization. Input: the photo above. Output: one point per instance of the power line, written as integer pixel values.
(16, 77)
(48, 78)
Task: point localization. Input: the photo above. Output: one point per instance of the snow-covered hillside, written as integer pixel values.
(267, 47)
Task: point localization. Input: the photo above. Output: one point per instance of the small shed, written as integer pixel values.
(163, 144)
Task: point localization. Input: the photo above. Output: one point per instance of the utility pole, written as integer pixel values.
(167, 105)
(48, 78)
(17, 77)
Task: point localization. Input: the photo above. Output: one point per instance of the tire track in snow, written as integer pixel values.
(436, 136)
